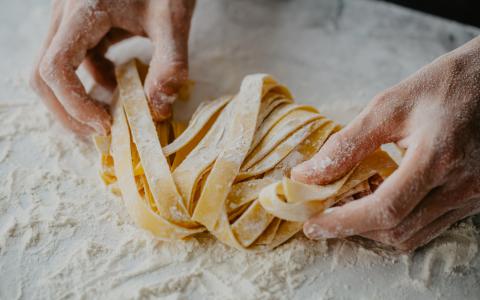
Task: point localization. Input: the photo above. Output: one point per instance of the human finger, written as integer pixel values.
(435, 204)
(98, 65)
(428, 233)
(42, 89)
(379, 123)
(77, 33)
(168, 27)
(383, 209)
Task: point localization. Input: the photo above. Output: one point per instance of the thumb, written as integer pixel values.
(343, 150)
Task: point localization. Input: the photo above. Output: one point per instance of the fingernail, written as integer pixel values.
(99, 128)
(294, 173)
(311, 231)
(314, 231)
(328, 210)
(103, 126)
(160, 105)
(297, 173)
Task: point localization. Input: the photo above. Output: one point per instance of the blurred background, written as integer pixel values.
(464, 11)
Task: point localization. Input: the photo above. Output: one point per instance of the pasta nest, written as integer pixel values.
(226, 171)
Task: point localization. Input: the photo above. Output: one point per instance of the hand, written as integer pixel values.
(82, 31)
(435, 115)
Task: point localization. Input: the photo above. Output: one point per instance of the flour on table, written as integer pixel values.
(63, 236)
(56, 213)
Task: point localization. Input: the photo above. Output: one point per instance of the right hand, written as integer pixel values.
(82, 31)
(434, 114)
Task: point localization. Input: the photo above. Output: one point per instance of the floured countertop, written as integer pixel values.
(63, 236)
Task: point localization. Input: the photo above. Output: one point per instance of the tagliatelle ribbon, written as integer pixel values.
(225, 171)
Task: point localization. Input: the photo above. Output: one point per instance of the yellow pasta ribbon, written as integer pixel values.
(226, 172)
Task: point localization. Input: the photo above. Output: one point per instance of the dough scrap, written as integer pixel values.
(227, 171)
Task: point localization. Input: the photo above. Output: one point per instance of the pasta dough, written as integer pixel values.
(225, 171)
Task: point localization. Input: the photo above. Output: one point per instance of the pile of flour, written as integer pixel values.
(63, 236)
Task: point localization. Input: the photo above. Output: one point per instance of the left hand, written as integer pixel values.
(435, 115)
(82, 31)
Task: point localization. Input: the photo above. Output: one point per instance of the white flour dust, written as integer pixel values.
(57, 215)
(63, 236)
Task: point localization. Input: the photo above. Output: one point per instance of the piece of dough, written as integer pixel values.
(227, 171)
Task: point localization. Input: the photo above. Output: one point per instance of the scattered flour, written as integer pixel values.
(63, 236)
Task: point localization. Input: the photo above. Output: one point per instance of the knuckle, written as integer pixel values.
(50, 64)
(390, 216)
(177, 65)
(172, 75)
(45, 69)
(386, 111)
(178, 72)
(35, 80)
(167, 85)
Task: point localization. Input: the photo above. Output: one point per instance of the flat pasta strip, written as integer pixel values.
(138, 210)
(245, 192)
(196, 125)
(226, 172)
(286, 126)
(154, 162)
(295, 201)
(282, 150)
(274, 118)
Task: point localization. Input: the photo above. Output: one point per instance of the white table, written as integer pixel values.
(63, 236)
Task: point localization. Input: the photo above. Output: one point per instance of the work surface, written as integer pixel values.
(63, 236)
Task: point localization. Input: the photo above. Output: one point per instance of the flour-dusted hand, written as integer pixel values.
(82, 31)
(435, 116)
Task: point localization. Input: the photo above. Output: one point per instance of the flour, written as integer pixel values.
(63, 236)
(322, 164)
(59, 216)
